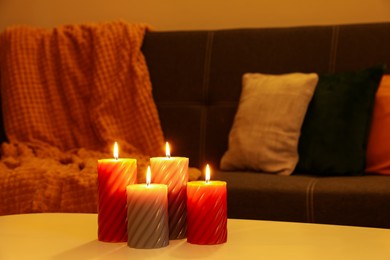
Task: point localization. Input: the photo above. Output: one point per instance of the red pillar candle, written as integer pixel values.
(147, 215)
(113, 177)
(206, 211)
(173, 171)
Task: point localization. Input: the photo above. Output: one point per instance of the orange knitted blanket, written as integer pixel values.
(67, 94)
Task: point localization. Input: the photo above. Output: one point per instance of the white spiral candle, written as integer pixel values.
(147, 216)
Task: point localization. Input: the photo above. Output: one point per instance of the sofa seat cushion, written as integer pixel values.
(342, 200)
(356, 201)
(255, 195)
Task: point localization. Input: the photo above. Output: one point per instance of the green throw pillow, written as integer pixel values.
(335, 129)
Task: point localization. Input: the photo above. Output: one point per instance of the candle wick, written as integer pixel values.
(207, 180)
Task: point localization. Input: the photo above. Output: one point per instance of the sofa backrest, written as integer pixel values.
(196, 75)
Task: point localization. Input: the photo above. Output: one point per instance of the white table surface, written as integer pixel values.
(74, 236)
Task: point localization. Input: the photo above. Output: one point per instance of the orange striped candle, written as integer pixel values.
(207, 211)
(113, 177)
(173, 171)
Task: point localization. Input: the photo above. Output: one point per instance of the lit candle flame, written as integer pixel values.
(148, 176)
(116, 153)
(167, 150)
(207, 173)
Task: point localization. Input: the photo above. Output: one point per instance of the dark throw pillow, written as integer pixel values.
(335, 129)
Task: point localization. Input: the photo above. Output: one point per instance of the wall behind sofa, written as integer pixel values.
(194, 14)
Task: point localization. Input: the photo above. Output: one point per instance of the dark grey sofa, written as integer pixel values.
(196, 78)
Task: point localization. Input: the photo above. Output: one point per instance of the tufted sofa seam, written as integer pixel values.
(333, 48)
(206, 98)
(310, 200)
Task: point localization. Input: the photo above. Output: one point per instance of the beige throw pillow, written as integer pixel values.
(266, 128)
